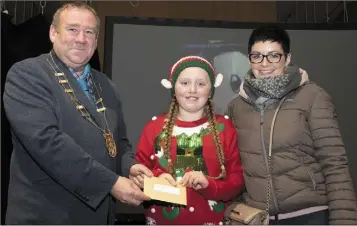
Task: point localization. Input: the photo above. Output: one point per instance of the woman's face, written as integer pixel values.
(268, 59)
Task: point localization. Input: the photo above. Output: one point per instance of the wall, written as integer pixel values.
(203, 10)
(206, 10)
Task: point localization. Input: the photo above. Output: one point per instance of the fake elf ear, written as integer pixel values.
(218, 80)
(166, 83)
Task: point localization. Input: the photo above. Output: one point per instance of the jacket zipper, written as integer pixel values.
(266, 159)
(275, 202)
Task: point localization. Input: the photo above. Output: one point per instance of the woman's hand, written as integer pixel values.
(195, 180)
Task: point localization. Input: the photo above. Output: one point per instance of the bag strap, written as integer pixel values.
(269, 154)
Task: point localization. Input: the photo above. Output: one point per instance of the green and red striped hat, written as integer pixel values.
(192, 61)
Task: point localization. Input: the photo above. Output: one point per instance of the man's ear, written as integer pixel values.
(96, 40)
(166, 83)
(218, 80)
(53, 33)
(96, 44)
(288, 60)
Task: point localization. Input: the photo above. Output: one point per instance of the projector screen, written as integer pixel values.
(140, 52)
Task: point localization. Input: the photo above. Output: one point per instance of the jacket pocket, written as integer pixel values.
(312, 178)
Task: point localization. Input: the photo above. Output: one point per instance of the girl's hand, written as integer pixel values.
(195, 180)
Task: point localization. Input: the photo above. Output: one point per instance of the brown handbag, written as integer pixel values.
(238, 213)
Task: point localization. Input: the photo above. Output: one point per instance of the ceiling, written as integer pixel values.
(316, 11)
(287, 11)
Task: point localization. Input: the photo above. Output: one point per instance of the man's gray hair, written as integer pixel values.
(76, 5)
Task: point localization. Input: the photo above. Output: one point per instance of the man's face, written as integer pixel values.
(75, 37)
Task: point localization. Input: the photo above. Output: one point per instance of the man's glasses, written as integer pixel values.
(257, 58)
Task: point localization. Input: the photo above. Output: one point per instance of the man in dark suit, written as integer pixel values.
(68, 132)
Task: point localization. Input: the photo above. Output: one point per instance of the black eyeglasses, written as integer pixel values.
(257, 58)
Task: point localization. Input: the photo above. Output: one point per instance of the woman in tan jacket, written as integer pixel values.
(289, 135)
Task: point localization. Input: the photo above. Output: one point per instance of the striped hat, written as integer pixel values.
(192, 61)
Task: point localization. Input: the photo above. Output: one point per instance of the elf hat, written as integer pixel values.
(192, 61)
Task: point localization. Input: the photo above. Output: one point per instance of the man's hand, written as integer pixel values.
(195, 180)
(128, 192)
(169, 178)
(138, 173)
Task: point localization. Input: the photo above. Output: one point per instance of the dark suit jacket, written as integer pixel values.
(61, 172)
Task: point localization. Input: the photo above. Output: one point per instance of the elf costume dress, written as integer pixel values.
(192, 148)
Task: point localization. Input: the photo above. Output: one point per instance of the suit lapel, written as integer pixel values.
(98, 105)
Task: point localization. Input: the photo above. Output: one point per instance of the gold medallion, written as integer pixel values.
(110, 143)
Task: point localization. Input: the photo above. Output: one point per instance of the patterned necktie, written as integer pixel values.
(85, 83)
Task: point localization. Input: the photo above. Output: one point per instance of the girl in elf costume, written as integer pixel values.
(193, 146)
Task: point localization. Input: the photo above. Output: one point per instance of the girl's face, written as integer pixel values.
(192, 90)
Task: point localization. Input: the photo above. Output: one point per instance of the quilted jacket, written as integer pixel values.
(309, 165)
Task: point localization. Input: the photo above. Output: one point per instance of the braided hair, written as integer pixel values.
(168, 129)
